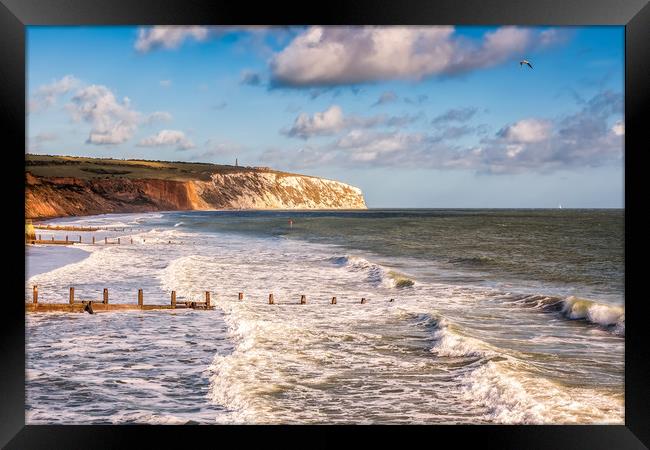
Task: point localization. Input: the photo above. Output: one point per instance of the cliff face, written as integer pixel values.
(71, 196)
(268, 190)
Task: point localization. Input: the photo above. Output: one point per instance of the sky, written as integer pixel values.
(423, 117)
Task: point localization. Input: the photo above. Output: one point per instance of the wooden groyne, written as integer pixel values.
(64, 228)
(101, 305)
(106, 241)
(74, 228)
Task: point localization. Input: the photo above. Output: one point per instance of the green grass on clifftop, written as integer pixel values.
(85, 168)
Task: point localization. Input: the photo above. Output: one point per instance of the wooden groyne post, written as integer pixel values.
(241, 296)
(303, 299)
(80, 239)
(100, 305)
(66, 239)
(363, 300)
(118, 240)
(271, 299)
(333, 300)
(105, 240)
(93, 240)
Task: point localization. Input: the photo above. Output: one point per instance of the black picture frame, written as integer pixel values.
(15, 15)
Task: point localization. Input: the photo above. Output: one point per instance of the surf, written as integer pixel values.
(375, 274)
(608, 317)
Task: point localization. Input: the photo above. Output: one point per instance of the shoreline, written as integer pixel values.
(40, 259)
(42, 220)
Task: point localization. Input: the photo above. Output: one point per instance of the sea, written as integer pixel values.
(478, 316)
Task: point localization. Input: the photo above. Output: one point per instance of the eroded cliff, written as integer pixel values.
(107, 190)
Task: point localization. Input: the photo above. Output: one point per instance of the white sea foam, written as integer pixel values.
(514, 397)
(450, 344)
(440, 353)
(598, 313)
(376, 274)
(510, 393)
(611, 317)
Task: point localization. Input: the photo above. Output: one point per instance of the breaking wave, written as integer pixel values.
(507, 390)
(376, 274)
(606, 316)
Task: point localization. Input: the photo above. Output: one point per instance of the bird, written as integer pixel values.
(525, 61)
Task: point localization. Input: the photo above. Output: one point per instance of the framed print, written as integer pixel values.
(399, 221)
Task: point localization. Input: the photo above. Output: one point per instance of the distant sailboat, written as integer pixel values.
(559, 206)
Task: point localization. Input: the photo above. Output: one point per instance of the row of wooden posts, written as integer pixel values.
(68, 241)
(75, 305)
(303, 299)
(64, 228)
(73, 228)
(140, 297)
(103, 305)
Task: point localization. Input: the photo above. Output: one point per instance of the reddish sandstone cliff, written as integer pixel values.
(70, 196)
(62, 196)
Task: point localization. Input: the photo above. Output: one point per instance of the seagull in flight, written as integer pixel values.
(525, 61)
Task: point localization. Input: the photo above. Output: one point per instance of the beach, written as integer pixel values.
(497, 316)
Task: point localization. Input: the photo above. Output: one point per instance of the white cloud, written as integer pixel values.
(47, 94)
(581, 139)
(113, 121)
(553, 36)
(346, 55)
(173, 36)
(168, 37)
(326, 122)
(527, 131)
(512, 150)
(332, 121)
(368, 146)
(165, 83)
(341, 55)
(167, 138)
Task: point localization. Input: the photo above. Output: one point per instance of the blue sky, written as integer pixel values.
(414, 116)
